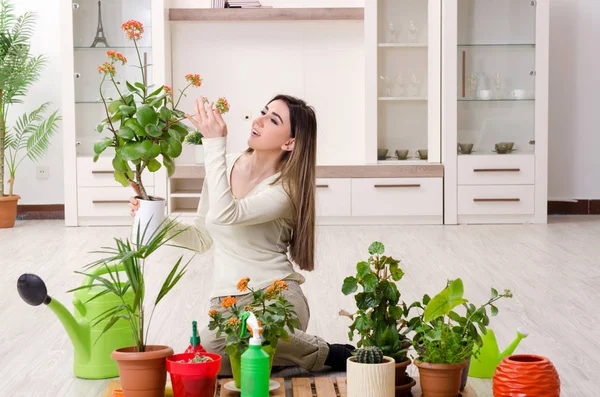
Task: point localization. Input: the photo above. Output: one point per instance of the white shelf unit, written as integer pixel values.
(185, 189)
(490, 50)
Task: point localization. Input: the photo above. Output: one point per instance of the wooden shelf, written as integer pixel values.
(265, 14)
(186, 193)
(401, 98)
(403, 45)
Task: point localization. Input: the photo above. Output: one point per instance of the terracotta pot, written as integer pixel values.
(440, 380)
(401, 372)
(404, 390)
(371, 380)
(143, 374)
(526, 375)
(8, 211)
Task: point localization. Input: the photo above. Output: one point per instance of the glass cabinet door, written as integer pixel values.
(496, 76)
(403, 73)
(97, 29)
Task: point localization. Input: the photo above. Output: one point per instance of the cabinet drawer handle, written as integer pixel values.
(407, 185)
(323, 186)
(495, 200)
(102, 172)
(497, 170)
(110, 201)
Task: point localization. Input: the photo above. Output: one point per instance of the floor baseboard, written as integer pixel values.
(576, 207)
(40, 211)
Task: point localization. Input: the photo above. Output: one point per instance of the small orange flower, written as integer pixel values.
(270, 292)
(213, 313)
(228, 302)
(168, 89)
(233, 321)
(116, 56)
(194, 79)
(133, 29)
(107, 68)
(280, 285)
(248, 308)
(242, 285)
(222, 105)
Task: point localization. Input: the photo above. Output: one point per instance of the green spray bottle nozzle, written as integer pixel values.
(249, 317)
(195, 338)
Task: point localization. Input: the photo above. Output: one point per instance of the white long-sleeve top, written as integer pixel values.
(250, 235)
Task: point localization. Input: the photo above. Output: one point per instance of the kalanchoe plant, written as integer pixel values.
(274, 312)
(442, 335)
(144, 122)
(379, 320)
(194, 138)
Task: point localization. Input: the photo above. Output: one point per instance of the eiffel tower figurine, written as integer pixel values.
(100, 38)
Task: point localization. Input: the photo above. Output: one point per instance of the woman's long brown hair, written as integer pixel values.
(298, 173)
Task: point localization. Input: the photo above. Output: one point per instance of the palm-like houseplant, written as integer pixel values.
(30, 136)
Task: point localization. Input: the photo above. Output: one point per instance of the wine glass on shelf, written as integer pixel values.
(413, 31)
(393, 31)
(499, 84)
(387, 86)
(401, 85)
(415, 85)
(473, 77)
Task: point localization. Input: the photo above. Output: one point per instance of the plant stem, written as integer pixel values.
(181, 95)
(112, 128)
(137, 50)
(117, 88)
(2, 136)
(138, 181)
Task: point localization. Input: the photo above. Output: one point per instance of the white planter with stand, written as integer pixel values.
(371, 380)
(199, 151)
(150, 214)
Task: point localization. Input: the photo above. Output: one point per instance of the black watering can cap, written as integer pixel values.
(32, 289)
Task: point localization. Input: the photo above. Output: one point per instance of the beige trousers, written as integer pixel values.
(304, 350)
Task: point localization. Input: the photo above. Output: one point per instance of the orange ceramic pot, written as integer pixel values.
(525, 375)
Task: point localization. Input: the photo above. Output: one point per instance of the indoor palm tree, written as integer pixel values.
(30, 136)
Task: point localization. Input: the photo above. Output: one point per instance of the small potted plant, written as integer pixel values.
(446, 340)
(142, 367)
(195, 139)
(194, 374)
(274, 312)
(380, 319)
(30, 136)
(370, 373)
(144, 125)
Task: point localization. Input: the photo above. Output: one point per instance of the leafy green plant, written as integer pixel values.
(379, 320)
(274, 312)
(194, 138)
(19, 69)
(133, 257)
(144, 122)
(442, 335)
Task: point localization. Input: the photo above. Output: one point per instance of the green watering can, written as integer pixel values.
(490, 356)
(92, 355)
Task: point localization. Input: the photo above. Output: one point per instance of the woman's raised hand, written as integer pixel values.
(208, 121)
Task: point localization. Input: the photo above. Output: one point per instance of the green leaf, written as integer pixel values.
(396, 272)
(366, 300)
(132, 88)
(155, 92)
(140, 85)
(120, 165)
(131, 151)
(350, 285)
(362, 324)
(494, 293)
(175, 148)
(174, 134)
(114, 106)
(172, 279)
(127, 110)
(165, 113)
(147, 149)
(120, 177)
(389, 338)
(445, 301)
(363, 268)
(126, 133)
(153, 165)
(153, 131)
(376, 248)
(390, 291)
(395, 313)
(180, 128)
(169, 165)
(494, 310)
(369, 282)
(100, 127)
(133, 124)
(146, 115)
(101, 146)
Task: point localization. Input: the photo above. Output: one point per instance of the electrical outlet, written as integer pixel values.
(42, 171)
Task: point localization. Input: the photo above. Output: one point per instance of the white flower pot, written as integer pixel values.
(371, 380)
(199, 150)
(150, 214)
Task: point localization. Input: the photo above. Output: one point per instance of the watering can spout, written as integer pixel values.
(32, 290)
(510, 349)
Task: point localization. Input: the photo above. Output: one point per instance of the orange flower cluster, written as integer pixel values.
(133, 29)
(233, 321)
(194, 79)
(275, 289)
(107, 68)
(242, 285)
(168, 89)
(213, 312)
(116, 56)
(222, 105)
(228, 302)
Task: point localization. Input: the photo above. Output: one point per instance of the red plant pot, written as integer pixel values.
(526, 375)
(193, 379)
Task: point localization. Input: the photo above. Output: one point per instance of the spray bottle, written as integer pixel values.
(255, 361)
(195, 346)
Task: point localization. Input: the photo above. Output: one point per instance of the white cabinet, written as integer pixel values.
(495, 110)
(333, 197)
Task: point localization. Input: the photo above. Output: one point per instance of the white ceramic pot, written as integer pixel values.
(150, 214)
(371, 380)
(199, 150)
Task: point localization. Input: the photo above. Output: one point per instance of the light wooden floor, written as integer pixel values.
(553, 271)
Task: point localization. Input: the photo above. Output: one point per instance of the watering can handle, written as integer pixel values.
(101, 270)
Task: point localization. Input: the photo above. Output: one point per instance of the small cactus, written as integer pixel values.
(369, 355)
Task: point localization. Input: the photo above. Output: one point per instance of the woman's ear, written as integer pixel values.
(288, 146)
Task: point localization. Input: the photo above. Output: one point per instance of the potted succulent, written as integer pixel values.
(380, 318)
(370, 373)
(142, 367)
(30, 136)
(194, 374)
(195, 139)
(274, 312)
(446, 340)
(144, 124)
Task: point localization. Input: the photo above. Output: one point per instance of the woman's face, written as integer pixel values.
(272, 130)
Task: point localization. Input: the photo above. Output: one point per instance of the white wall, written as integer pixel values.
(45, 41)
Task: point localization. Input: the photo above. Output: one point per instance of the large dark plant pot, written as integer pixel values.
(401, 372)
(440, 380)
(143, 374)
(404, 390)
(465, 375)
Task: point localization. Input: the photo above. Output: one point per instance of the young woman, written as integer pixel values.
(258, 211)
